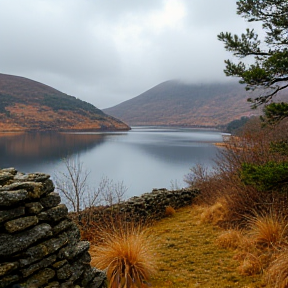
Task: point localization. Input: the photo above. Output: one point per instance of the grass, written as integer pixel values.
(277, 275)
(189, 251)
(230, 239)
(268, 229)
(169, 211)
(188, 256)
(126, 254)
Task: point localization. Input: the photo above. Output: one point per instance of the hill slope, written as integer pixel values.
(27, 105)
(176, 103)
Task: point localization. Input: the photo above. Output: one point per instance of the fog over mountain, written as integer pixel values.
(181, 104)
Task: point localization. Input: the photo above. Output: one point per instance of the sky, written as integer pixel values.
(108, 51)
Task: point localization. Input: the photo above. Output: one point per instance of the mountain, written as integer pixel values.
(191, 105)
(27, 105)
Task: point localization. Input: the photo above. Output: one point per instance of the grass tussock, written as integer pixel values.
(215, 213)
(251, 265)
(230, 239)
(277, 273)
(126, 254)
(268, 229)
(169, 211)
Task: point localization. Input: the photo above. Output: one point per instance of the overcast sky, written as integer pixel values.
(109, 51)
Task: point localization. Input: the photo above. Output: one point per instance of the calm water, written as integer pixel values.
(143, 158)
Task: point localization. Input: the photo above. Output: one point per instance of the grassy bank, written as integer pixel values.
(188, 256)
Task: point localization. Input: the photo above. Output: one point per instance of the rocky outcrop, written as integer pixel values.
(39, 245)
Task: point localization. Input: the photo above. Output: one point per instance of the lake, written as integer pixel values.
(143, 158)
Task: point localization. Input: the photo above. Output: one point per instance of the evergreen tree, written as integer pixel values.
(270, 68)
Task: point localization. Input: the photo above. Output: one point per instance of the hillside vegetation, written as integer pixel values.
(177, 103)
(27, 105)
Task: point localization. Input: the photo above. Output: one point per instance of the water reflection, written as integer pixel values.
(23, 150)
(143, 158)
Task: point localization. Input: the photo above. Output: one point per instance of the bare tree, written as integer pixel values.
(111, 193)
(73, 186)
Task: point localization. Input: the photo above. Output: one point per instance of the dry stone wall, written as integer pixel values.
(39, 245)
(153, 205)
(145, 208)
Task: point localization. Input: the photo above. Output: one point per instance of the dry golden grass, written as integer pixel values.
(230, 239)
(169, 211)
(268, 229)
(127, 256)
(214, 213)
(189, 256)
(277, 274)
(259, 247)
(250, 265)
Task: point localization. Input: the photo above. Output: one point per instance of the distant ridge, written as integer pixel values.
(179, 104)
(27, 105)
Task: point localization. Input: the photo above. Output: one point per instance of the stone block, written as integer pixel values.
(6, 268)
(20, 223)
(39, 265)
(9, 214)
(10, 244)
(8, 280)
(89, 274)
(62, 226)
(73, 234)
(34, 207)
(33, 254)
(34, 177)
(10, 170)
(34, 189)
(53, 284)
(47, 247)
(48, 186)
(55, 244)
(64, 272)
(39, 279)
(54, 214)
(74, 251)
(98, 281)
(51, 200)
(68, 284)
(59, 264)
(5, 177)
(9, 198)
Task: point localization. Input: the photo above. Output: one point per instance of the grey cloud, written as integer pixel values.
(106, 52)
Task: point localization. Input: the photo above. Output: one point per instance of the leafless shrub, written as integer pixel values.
(174, 185)
(111, 193)
(73, 185)
(78, 195)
